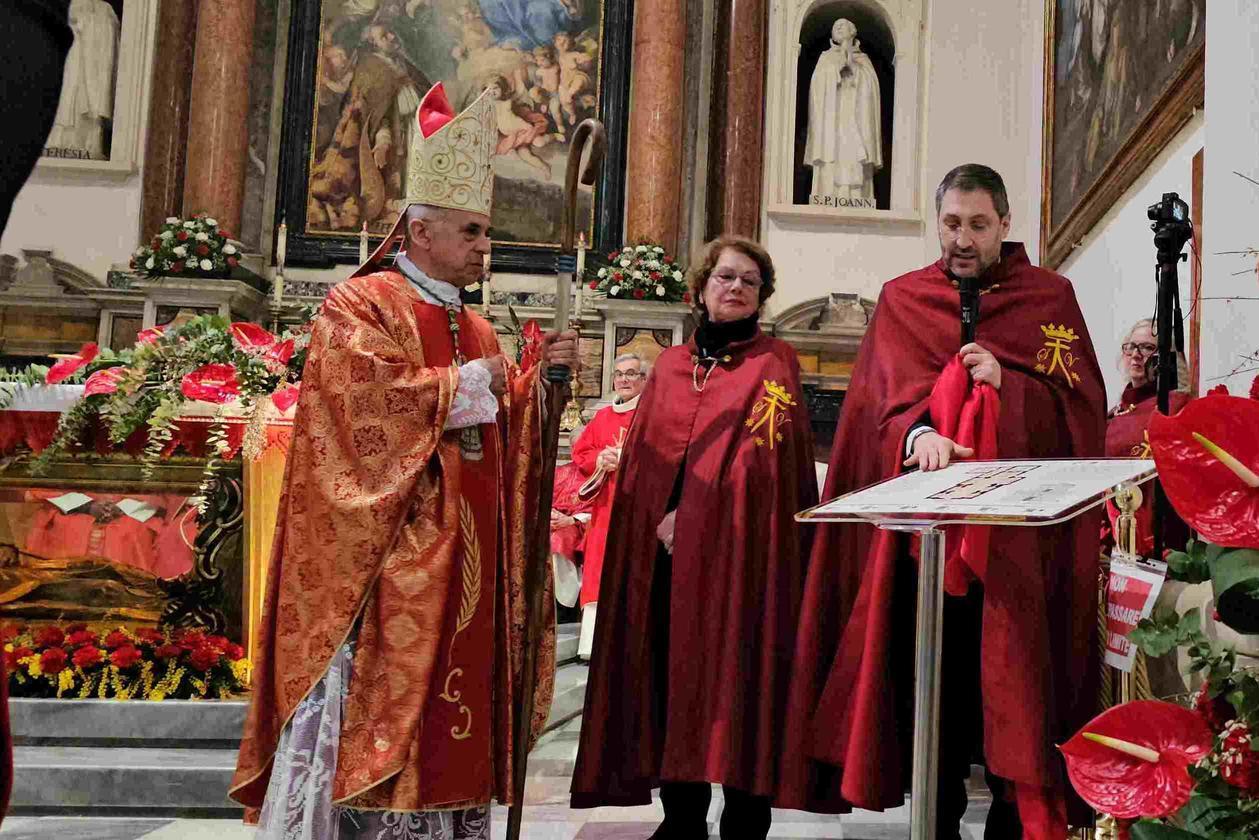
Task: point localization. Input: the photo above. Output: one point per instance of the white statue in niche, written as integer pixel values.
(845, 139)
(87, 88)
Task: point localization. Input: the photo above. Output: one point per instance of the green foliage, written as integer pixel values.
(1189, 565)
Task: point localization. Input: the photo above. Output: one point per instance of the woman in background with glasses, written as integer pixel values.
(704, 568)
(1127, 422)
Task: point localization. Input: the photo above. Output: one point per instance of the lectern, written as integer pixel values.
(995, 493)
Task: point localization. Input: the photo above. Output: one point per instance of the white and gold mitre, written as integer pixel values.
(450, 157)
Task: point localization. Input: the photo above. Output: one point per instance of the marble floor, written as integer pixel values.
(547, 815)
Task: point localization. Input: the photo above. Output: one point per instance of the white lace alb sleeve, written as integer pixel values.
(474, 402)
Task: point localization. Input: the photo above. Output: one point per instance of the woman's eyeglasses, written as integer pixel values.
(727, 279)
(1132, 349)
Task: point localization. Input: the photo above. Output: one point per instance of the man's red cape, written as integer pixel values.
(851, 694)
(692, 654)
(601, 433)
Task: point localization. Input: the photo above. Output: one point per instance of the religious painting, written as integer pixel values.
(1121, 78)
(357, 72)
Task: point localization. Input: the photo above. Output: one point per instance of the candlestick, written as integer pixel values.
(485, 286)
(581, 274)
(281, 245)
(362, 245)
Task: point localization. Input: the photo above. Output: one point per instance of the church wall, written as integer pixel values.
(981, 82)
(1231, 204)
(1113, 270)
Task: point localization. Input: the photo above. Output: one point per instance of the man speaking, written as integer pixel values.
(1020, 617)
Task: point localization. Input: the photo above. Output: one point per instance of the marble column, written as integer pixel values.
(655, 128)
(738, 119)
(167, 136)
(218, 130)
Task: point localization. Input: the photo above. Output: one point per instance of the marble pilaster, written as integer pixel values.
(738, 119)
(655, 129)
(167, 137)
(218, 130)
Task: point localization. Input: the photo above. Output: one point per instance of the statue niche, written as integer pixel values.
(844, 109)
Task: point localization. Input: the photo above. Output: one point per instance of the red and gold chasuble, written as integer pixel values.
(387, 523)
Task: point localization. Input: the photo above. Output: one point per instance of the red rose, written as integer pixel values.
(168, 651)
(182, 236)
(203, 658)
(234, 652)
(86, 657)
(150, 635)
(686, 297)
(232, 262)
(217, 643)
(177, 266)
(125, 657)
(157, 243)
(117, 639)
(668, 259)
(68, 365)
(655, 275)
(202, 250)
(49, 637)
(52, 661)
(12, 658)
(8, 632)
(594, 284)
(77, 627)
(639, 293)
(1216, 711)
(82, 637)
(189, 639)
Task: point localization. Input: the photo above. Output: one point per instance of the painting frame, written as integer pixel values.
(1169, 111)
(323, 250)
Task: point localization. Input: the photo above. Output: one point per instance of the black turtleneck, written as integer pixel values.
(712, 336)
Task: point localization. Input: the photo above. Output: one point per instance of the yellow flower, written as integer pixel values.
(32, 666)
(65, 681)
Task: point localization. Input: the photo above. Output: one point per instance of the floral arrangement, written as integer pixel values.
(121, 664)
(196, 247)
(640, 272)
(1181, 777)
(140, 392)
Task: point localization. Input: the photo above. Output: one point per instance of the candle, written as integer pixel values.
(281, 244)
(581, 274)
(362, 245)
(277, 289)
(485, 285)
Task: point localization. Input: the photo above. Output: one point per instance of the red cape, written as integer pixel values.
(601, 433)
(692, 657)
(851, 691)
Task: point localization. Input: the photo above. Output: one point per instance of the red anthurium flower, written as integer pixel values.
(531, 348)
(52, 661)
(67, 365)
(285, 398)
(1132, 760)
(212, 383)
(150, 336)
(251, 338)
(104, 381)
(277, 356)
(125, 657)
(1207, 457)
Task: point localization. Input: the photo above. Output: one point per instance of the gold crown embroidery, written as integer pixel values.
(768, 414)
(1056, 354)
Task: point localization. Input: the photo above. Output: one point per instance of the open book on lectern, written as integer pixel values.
(996, 492)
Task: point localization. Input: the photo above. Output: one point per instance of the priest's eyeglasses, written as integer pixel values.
(631, 375)
(1143, 349)
(727, 279)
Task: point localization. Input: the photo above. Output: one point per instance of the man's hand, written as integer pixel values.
(609, 459)
(664, 531)
(498, 373)
(933, 451)
(982, 364)
(380, 155)
(561, 349)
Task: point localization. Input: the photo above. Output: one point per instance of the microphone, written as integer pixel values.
(968, 289)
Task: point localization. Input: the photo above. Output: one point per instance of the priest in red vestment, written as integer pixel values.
(598, 454)
(392, 638)
(1019, 659)
(704, 570)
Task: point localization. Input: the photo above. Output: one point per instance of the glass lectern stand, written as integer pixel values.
(995, 493)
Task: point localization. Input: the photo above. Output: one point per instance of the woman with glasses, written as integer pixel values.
(1127, 422)
(704, 569)
(597, 453)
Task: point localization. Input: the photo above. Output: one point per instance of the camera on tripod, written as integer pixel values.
(1169, 219)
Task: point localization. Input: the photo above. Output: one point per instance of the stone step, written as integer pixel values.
(566, 642)
(132, 780)
(570, 694)
(129, 723)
